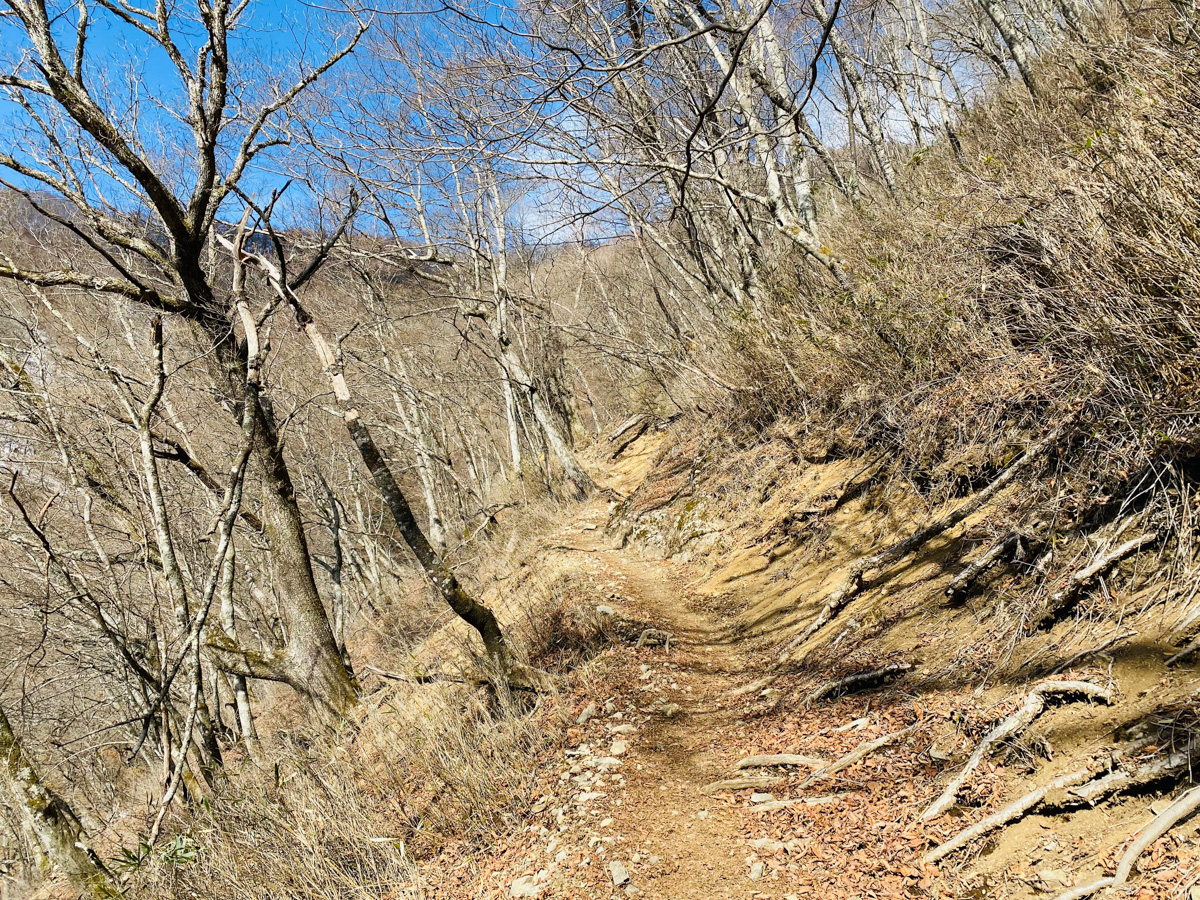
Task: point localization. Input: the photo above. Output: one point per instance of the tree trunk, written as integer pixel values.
(311, 663)
(866, 109)
(1018, 45)
(475, 614)
(53, 830)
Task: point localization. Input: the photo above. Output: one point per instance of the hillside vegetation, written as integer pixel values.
(819, 517)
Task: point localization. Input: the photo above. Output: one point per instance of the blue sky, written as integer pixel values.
(135, 81)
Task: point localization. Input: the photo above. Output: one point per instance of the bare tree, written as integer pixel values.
(81, 149)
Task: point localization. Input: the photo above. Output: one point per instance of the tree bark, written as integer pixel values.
(53, 830)
(311, 663)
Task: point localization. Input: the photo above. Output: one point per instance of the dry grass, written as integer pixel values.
(1056, 262)
(433, 769)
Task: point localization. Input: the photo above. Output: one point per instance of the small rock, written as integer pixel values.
(938, 755)
(1054, 879)
(605, 823)
(588, 712)
(525, 886)
(1158, 807)
(605, 611)
(619, 748)
(670, 710)
(623, 729)
(767, 844)
(610, 707)
(619, 874)
(757, 870)
(758, 797)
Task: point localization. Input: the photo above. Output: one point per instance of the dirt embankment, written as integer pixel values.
(726, 747)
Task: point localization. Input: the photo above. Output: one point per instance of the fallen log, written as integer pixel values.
(1033, 706)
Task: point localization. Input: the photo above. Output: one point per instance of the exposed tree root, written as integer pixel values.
(1126, 778)
(1010, 727)
(851, 491)
(625, 427)
(751, 782)
(1186, 804)
(858, 681)
(1081, 579)
(781, 759)
(1083, 787)
(1010, 813)
(853, 582)
(1191, 648)
(1005, 548)
(754, 686)
(654, 637)
(627, 433)
(860, 752)
(1092, 651)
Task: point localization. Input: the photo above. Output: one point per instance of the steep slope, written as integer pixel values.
(631, 804)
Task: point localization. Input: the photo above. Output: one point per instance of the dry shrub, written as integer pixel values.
(433, 766)
(567, 626)
(1057, 261)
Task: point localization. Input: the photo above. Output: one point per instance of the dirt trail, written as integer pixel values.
(681, 717)
(624, 810)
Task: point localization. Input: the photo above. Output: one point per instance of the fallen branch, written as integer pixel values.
(860, 752)
(854, 578)
(781, 759)
(1004, 548)
(1010, 813)
(1010, 727)
(1085, 576)
(1186, 804)
(859, 680)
